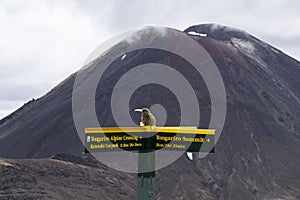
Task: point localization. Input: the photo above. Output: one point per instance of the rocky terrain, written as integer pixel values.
(63, 177)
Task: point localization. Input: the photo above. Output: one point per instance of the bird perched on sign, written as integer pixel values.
(147, 118)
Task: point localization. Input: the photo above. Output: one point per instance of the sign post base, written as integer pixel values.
(145, 186)
(146, 173)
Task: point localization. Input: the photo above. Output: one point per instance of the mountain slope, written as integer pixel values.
(63, 177)
(258, 154)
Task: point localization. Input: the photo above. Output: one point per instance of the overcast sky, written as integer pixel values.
(43, 42)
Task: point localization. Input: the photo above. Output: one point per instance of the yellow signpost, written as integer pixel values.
(148, 139)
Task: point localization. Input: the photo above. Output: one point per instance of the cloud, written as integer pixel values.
(40, 45)
(138, 35)
(7, 107)
(42, 42)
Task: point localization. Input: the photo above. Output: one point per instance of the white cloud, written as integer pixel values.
(40, 45)
(7, 107)
(42, 42)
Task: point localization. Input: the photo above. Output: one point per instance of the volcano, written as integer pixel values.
(256, 157)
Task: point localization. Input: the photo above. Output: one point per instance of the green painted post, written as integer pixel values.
(146, 172)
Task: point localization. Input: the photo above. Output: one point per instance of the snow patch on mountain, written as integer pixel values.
(123, 57)
(197, 34)
(4, 163)
(245, 46)
(275, 51)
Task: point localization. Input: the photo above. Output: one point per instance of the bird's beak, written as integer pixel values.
(138, 110)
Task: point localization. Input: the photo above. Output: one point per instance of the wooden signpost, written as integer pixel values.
(109, 139)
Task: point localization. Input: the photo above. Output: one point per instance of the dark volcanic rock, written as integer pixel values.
(257, 156)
